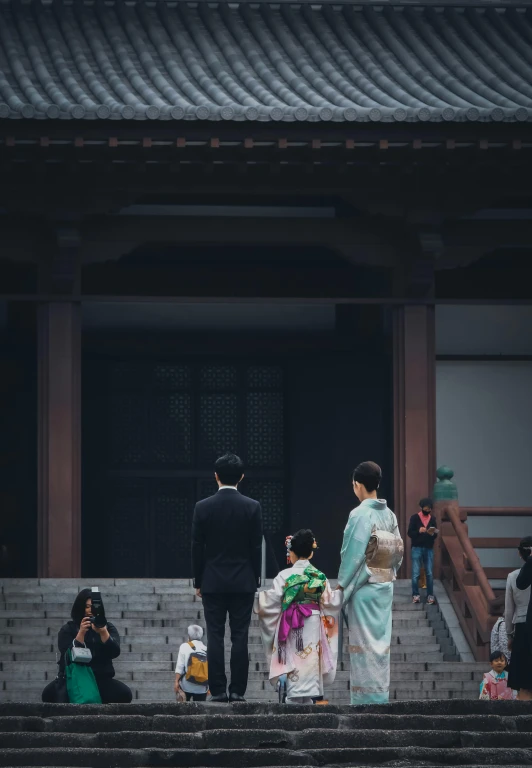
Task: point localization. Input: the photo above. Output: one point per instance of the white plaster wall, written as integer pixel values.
(484, 430)
(483, 330)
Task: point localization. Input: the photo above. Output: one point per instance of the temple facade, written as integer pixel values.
(299, 233)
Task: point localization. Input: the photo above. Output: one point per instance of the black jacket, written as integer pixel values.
(227, 543)
(523, 581)
(102, 653)
(421, 539)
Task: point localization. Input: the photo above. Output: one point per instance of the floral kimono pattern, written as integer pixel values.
(494, 687)
(369, 604)
(300, 634)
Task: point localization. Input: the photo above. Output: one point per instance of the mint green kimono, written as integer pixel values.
(369, 604)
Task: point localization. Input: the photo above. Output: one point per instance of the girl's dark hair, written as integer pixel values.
(78, 609)
(525, 547)
(498, 655)
(303, 542)
(369, 475)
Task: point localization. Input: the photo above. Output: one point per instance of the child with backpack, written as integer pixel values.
(191, 672)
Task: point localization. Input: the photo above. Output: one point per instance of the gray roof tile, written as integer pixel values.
(242, 63)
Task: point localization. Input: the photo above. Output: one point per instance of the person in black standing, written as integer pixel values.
(422, 531)
(226, 563)
(520, 643)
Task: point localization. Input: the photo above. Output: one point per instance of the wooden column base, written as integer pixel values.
(59, 502)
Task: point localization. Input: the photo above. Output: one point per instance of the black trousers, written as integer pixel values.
(216, 607)
(196, 696)
(111, 691)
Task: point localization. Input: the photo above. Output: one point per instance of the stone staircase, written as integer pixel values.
(152, 618)
(397, 735)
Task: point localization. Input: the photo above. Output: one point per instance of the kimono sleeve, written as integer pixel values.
(484, 689)
(356, 538)
(268, 608)
(396, 532)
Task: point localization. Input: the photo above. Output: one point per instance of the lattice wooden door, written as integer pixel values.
(152, 431)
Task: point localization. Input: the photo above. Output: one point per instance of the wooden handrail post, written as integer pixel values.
(445, 494)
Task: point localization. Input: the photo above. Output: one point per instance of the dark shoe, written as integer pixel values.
(233, 697)
(220, 699)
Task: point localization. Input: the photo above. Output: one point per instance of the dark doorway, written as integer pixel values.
(152, 431)
(302, 405)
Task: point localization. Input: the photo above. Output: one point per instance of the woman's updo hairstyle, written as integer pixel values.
(303, 543)
(369, 475)
(525, 547)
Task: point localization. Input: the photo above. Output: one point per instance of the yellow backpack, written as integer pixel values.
(197, 667)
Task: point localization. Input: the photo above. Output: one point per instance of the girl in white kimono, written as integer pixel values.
(298, 619)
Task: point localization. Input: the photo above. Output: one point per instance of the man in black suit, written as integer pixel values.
(226, 562)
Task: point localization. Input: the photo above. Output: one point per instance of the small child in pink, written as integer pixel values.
(494, 686)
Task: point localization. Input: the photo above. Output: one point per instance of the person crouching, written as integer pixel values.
(191, 667)
(104, 644)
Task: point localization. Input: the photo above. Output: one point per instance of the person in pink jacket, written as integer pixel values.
(494, 686)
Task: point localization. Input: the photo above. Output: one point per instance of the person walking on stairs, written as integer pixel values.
(422, 530)
(226, 563)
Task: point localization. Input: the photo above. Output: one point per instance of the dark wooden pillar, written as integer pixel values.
(414, 413)
(59, 454)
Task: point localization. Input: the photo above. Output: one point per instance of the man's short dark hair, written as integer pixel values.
(369, 475)
(229, 469)
(425, 503)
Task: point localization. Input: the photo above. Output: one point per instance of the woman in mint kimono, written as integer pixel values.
(368, 590)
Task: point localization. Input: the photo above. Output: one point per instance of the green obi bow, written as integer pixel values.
(295, 584)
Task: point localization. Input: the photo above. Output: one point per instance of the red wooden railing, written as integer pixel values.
(476, 604)
(465, 580)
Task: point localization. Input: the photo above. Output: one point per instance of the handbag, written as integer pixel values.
(81, 655)
(61, 693)
(384, 554)
(80, 681)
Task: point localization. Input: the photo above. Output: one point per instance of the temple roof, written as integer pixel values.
(264, 63)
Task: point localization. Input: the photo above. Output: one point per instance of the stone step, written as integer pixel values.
(257, 738)
(213, 758)
(189, 721)
(148, 597)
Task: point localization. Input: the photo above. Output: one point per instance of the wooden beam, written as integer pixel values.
(497, 511)
(489, 542)
(497, 573)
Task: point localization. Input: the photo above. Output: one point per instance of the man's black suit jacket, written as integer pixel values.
(227, 543)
